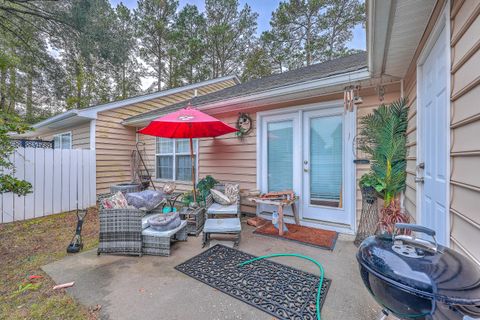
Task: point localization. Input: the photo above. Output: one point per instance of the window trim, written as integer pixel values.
(174, 154)
(60, 135)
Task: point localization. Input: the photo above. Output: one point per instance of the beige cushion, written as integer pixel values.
(220, 198)
(232, 191)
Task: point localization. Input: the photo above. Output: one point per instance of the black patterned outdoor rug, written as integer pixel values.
(282, 291)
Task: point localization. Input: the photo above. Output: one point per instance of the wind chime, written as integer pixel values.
(351, 97)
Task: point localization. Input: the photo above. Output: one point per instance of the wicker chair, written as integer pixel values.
(120, 230)
(223, 225)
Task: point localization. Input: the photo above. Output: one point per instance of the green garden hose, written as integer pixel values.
(322, 272)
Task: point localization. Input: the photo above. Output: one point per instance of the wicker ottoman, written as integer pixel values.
(157, 243)
(195, 220)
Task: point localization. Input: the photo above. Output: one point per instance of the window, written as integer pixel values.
(63, 140)
(172, 159)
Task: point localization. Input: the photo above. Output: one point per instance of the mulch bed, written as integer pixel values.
(320, 238)
(280, 290)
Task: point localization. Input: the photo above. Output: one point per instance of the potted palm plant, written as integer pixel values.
(384, 139)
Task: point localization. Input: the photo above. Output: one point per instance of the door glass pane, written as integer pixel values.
(326, 161)
(280, 155)
(165, 167)
(184, 168)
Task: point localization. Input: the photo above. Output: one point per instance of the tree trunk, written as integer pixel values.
(29, 102)
(3, 88)
(12, 88)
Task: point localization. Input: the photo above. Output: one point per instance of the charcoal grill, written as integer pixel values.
(414, 278)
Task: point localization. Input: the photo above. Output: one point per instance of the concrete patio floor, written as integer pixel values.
(150, 288)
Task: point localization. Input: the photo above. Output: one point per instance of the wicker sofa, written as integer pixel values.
(123, 231)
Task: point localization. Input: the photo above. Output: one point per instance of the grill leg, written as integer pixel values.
(384, 315)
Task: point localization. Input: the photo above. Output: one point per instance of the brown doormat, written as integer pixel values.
(320, 238)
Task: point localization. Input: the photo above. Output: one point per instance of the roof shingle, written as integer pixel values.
(313, 72)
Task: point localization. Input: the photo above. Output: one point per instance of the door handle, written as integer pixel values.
(305, 170)
(418, 178)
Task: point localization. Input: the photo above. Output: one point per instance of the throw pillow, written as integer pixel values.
(220, 198)
(232, 191)
(116, 201)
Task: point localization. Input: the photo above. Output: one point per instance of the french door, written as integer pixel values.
(306, 151)
(323, 167)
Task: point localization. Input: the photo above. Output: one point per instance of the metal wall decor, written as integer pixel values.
(351, 97)
(244, 125)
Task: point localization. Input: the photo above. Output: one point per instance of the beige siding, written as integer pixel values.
(410, 92)
(80, 135)
(115, 142)
(230, 159)
(465, 127)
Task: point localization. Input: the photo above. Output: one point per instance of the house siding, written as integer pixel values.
(230, 159)
(465, 127)
(464, 124)
(115, 142)
(80, 135)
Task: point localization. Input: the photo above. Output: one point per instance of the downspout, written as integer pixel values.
(402, 195)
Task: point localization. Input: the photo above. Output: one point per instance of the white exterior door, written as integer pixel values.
(324, 164)
(308, 150)
(433, 134)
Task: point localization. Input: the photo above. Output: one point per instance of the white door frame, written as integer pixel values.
(442, 22)
(350, 170)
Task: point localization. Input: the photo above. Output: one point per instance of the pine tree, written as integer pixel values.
(230, 34)
(190, 41)
(314, 30)
(154, 20)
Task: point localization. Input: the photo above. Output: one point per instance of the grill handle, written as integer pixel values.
(433, 246)
(416, 228)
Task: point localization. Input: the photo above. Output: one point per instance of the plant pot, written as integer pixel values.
(369, 194)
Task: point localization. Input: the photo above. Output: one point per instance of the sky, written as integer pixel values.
(264, 8)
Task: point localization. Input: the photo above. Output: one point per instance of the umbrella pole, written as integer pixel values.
(193, 171)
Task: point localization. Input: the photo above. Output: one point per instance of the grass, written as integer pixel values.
(25, 246)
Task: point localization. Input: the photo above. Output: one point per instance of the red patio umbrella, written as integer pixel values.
(187, 123)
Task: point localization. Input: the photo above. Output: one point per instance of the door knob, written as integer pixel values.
(419, 179)
(305, 170)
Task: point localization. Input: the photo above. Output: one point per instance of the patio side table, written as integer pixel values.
(195, 219)
(280, 204)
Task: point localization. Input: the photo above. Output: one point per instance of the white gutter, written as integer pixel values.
(344, 78)
(379, 18)
(58, 117)
(91, 113)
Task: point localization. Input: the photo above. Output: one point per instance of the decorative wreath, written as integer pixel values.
(244, 124)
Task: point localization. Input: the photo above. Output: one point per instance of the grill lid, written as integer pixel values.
(445, 275)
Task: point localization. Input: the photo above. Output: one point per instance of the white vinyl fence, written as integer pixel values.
(61, 179)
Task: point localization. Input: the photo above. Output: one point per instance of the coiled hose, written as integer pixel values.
(322, 272)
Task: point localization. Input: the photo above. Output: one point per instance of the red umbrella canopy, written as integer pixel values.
(187, 123)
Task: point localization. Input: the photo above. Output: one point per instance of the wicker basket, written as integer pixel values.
(195, 220)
